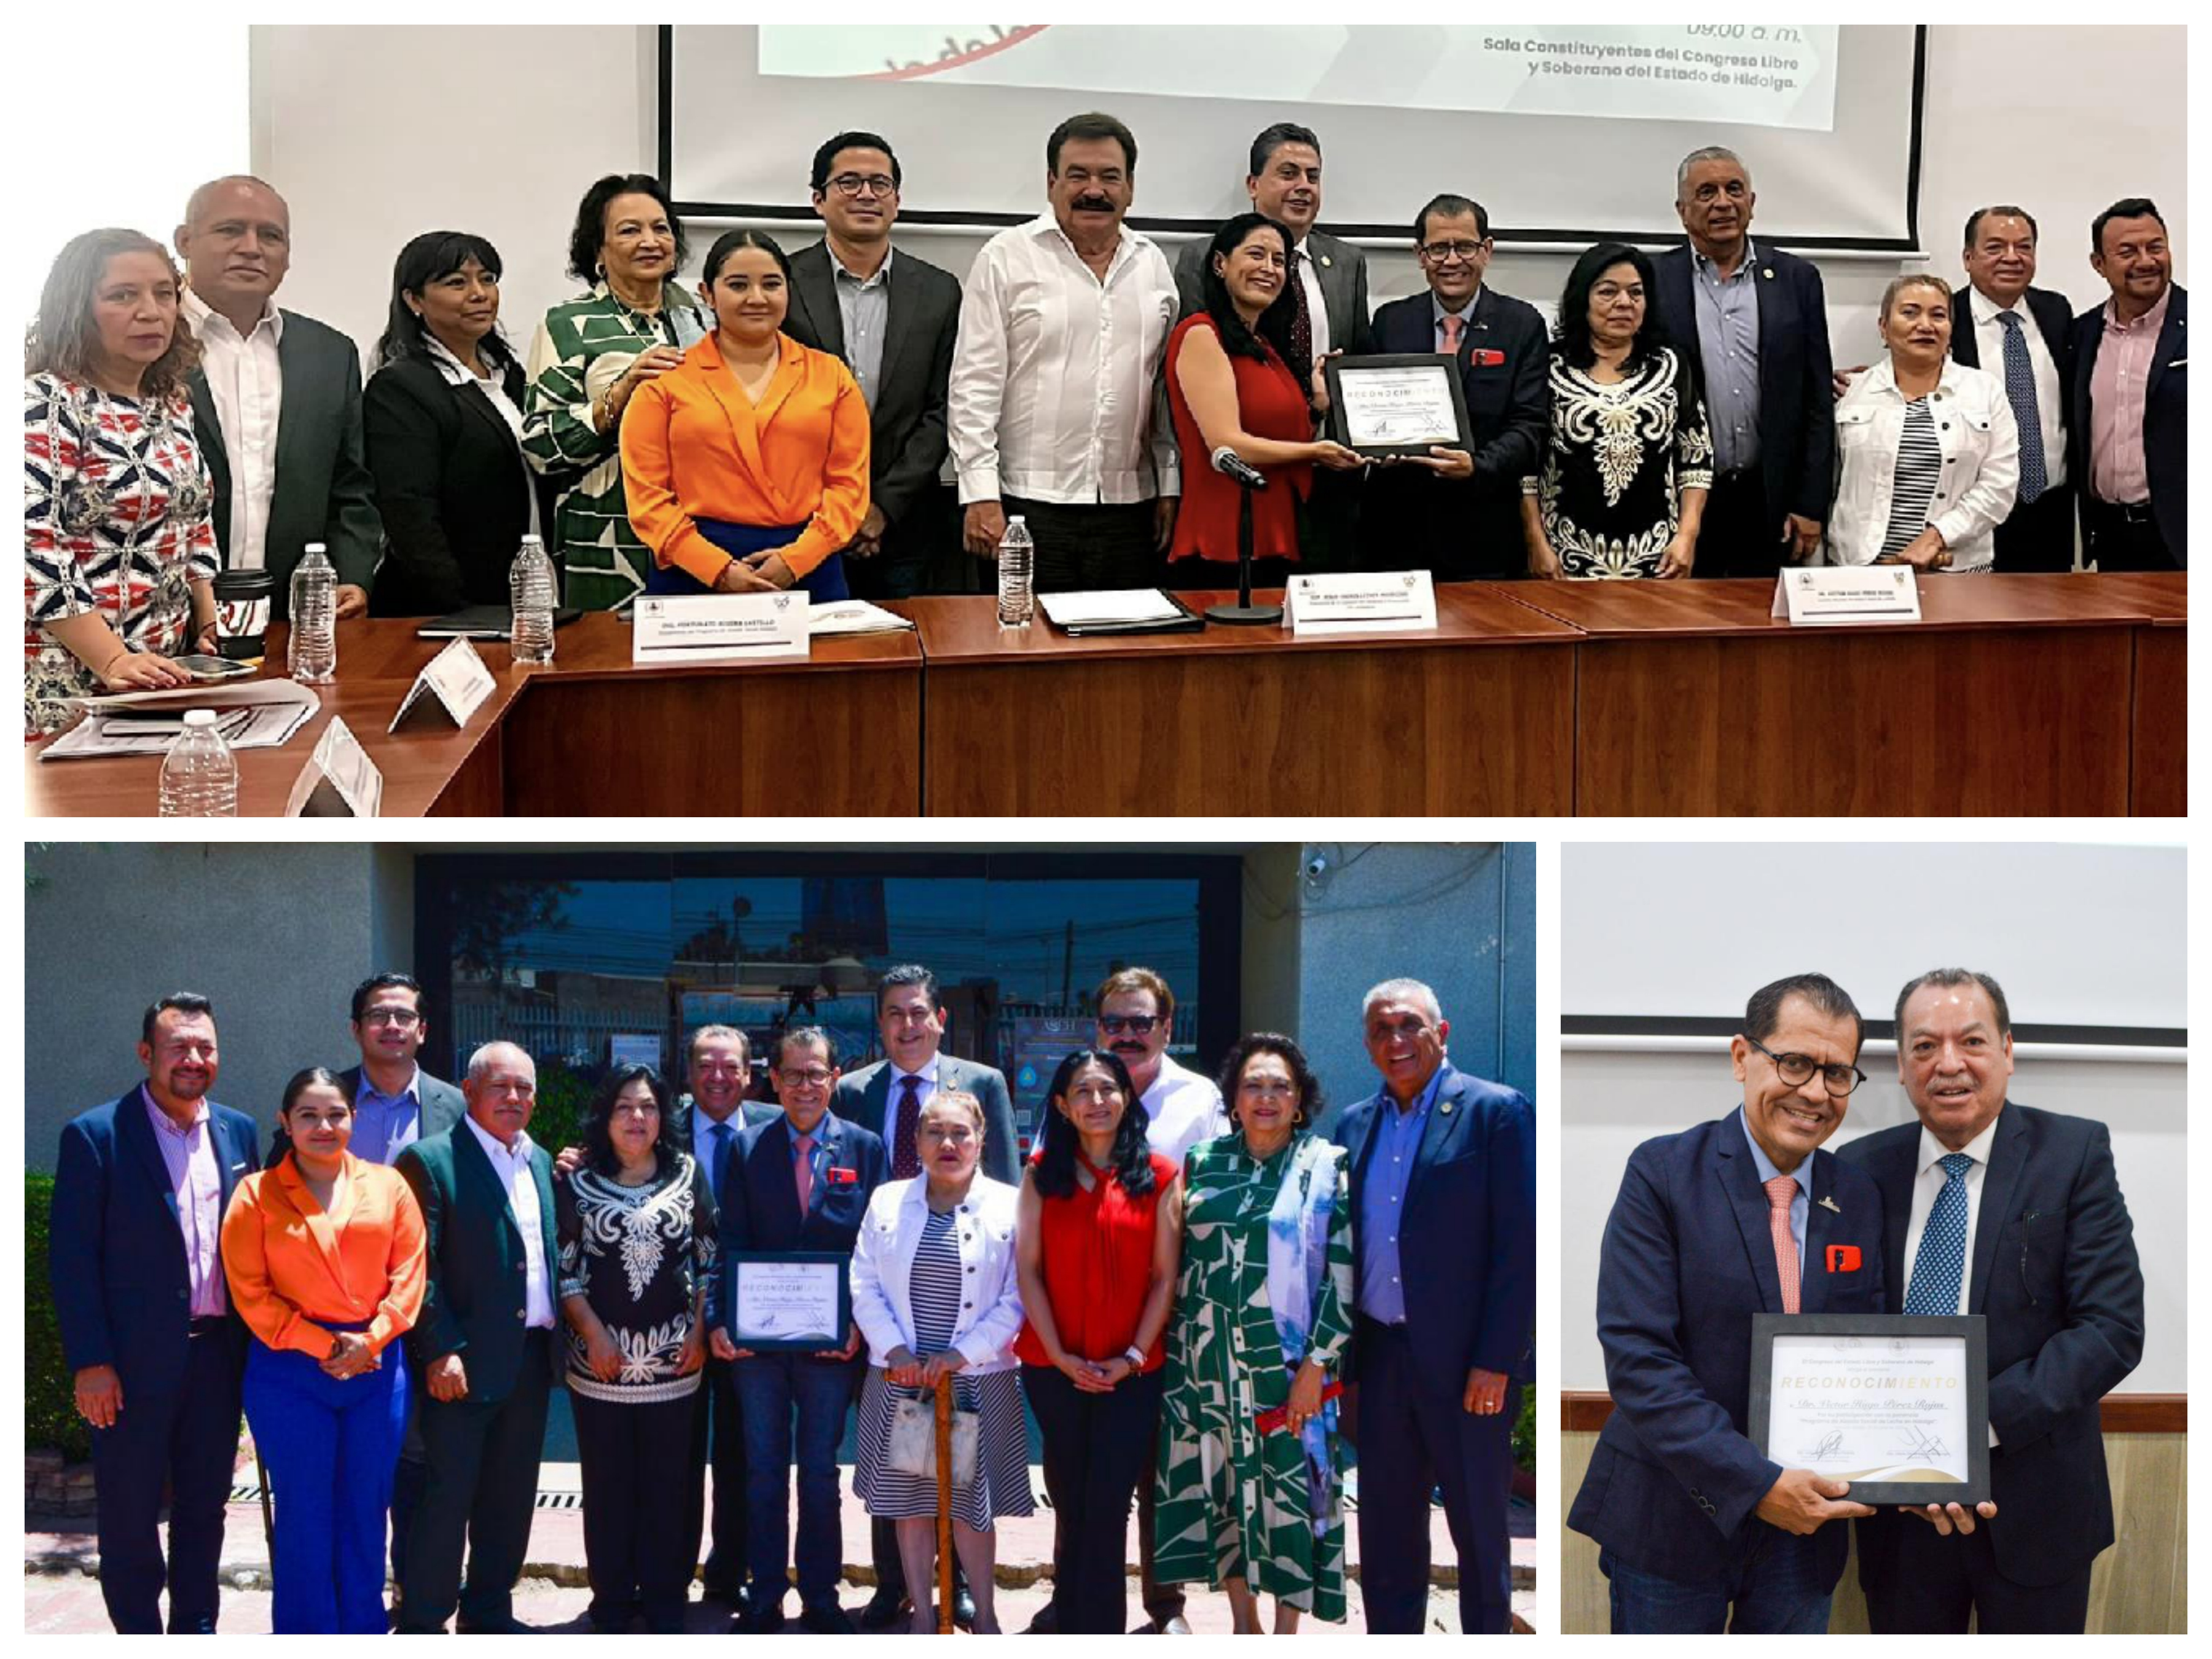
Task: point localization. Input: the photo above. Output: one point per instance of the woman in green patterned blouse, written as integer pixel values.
(589, 355)
(1248, 1488)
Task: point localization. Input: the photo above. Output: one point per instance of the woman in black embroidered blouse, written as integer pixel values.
(637, 1274)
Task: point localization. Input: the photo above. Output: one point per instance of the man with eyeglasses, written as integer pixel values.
(1458, 511)
(2015, 1214)
(395, 1103)
(893, 317)
(801, 1182)
(1699, 1531)
(1444, 1224)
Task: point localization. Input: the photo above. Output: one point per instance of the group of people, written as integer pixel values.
(1983, 1207)
(787, 420)
(1200, 1290)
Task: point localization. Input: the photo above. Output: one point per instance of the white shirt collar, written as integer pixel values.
(839, 270)
(1978, 1149)
(928, 1074)
(456, 372)
(203, 316)
(522, 1143)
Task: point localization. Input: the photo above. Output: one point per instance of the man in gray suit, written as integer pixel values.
(893, 319)
(276, 400)
(886, 1099)
(1329, 292)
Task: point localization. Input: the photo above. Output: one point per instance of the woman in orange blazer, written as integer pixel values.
(746, 465)
(325, 1254)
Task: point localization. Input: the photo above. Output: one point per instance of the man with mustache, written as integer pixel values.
(134, 1249)
(1444, 1211)
(2131, 433)
(1330, 309)
(1755, 320)
(1699, 1531)
(276, 400)
(2015, 1214)
(485, 1346)
(1063, 331)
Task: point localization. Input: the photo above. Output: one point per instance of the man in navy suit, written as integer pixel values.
(146, 1323)
(1755, 321)
(2132, 398)
(837, 1166)
(2002, 322)
(1443, 1208)
(1743, 1216)
(1458, 511)
(2014, 1214)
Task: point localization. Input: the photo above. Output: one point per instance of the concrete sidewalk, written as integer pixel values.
(61, 1592)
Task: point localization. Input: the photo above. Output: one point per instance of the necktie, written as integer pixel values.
(1941, 1261)
(803, 1171)
(1780, 1191)
(1451, 326)
(1301, 362)
(906, 1162)
(718, 1153)
(2019, 391)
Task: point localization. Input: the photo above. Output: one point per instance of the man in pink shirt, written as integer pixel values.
(2130, 435)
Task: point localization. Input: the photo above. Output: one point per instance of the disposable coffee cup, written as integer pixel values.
(242, 599)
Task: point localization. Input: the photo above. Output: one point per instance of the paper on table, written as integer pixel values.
(1088, 610)
(853, 616)
(267, 713)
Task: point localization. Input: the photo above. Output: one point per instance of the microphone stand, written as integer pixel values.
(1244, 613)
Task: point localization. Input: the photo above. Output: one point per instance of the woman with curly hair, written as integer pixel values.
(636, 1226)
(120, 551)
(1620, 491)
(1248, 1491)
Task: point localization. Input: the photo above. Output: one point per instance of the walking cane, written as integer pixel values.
(944, 1506)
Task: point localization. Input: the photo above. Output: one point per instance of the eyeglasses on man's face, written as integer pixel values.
(1796, 1070)
(1442, 253)
(876, 183)
(1140, 1024)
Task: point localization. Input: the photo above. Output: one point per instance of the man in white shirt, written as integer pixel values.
(483, 1345)
(2019, 333)
(276, 400)
(1054, 399)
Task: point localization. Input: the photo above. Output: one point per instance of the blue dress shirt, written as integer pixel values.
(1728, 342)
(1383, 1202)
(386, 1125)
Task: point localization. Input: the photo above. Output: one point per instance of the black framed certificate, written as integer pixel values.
(1897, 1405)
(786, 1300)
(1397, 402)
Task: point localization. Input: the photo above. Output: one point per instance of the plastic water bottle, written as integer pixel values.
(530, 591)
(1017, 573)
(312, 648)
(199, 779)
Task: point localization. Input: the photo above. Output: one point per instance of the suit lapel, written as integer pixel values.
(1446, 1115)
(472, 1163)
(132, 1128)
(297, 376)
(1739, 1179)
(817, 289)
(478, 405)
(829, 1133)
(1813, 1275)
(2007, 1162)
(227, 1157)
(899, 341)
(1778, 322)
(549, 1239)
(2170, 343)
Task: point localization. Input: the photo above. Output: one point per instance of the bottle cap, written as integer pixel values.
(199, 717)
(531, 541)
(317, 547)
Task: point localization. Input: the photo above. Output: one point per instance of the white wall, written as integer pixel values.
(375, 133)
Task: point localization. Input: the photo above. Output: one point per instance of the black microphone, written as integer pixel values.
(1230, 465)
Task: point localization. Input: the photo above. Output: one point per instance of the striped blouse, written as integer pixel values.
(1919, 469)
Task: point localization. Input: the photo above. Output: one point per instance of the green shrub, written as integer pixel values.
(50, 1417)
(1524, 1432)
(563, 1101)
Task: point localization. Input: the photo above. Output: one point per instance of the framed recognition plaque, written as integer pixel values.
(1397, 404)
(789, 1300)
(1899, 1405)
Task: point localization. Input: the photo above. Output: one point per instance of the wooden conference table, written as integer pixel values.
(2063, 695)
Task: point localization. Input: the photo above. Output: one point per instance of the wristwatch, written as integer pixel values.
(1135, 1356)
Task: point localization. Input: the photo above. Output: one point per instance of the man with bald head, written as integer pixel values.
(483, 1346)
(276, 400)
(2015, 1214)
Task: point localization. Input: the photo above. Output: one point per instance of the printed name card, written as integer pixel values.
(710, 628)
(1389, 602)
(1848, 593)
(339, 780)
(456, 681)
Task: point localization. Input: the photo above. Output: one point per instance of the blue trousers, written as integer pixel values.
(185, 1437)
(1777, 1592)
(825, 584)
(330, 1448)
(1414, 1437)
(793, 1404)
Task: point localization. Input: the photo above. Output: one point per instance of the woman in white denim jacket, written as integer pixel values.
(1971, 421)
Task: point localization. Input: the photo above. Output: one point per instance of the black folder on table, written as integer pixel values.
(481, 622)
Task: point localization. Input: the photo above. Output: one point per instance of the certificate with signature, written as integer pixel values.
(1896, 1405)
(788, 1299)
(1397, 404)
